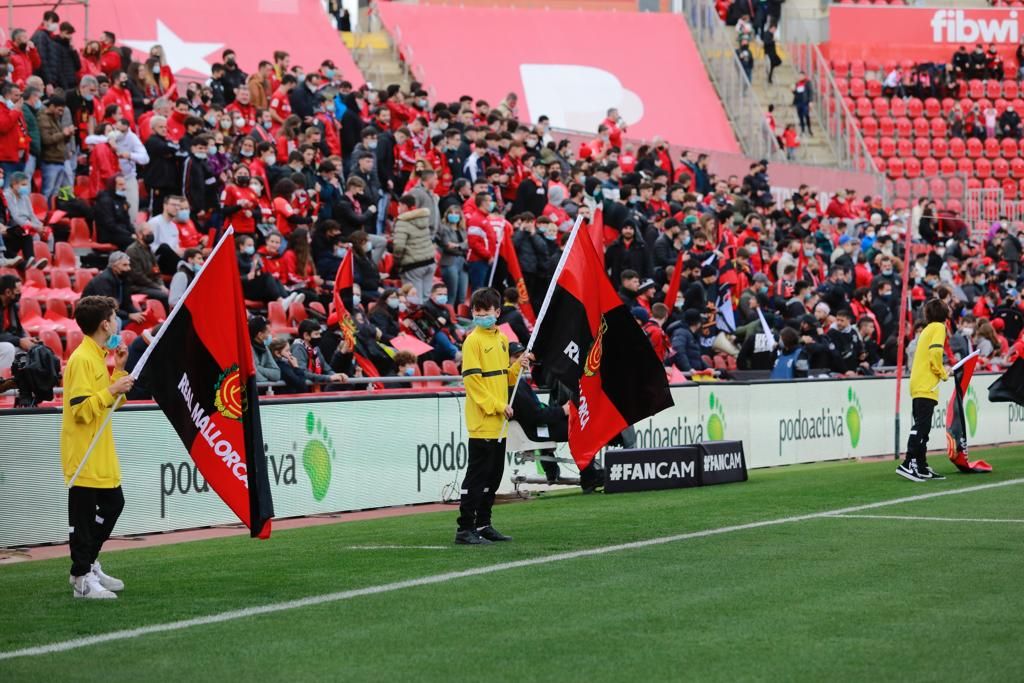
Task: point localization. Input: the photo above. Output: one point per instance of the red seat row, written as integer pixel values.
(940, 148)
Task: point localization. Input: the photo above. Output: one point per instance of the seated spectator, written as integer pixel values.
(24, 225)
(511, 314)
(144, 277)
(140, 392)
(309, 358)
(432, 322)
(293, 376)
(850, 356)
(189, 266)
(367, 274)
(113, 282)
(405, 366)
(113, 222)
(12, 335)
(166, 236)
(385, 313)
(684, 335)
(792, 359)
(263, 360)
(257, 284)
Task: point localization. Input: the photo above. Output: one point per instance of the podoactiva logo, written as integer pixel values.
(716, 419)
(853, 417)
(317, 456)
(971, 411)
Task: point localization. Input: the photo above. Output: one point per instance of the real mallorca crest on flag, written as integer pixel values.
(344, 280)
(589, 342)
(200, 371)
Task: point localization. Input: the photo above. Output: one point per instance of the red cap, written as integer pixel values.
(917, 293)
(998, 324)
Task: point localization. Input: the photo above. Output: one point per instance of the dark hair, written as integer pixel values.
(299, 245)
(90, 311)
(191, 253)
(845, 313)
(628, 275)
(485, 299)
(308, 327)
(936, 311)
(512, 295)
(789, 337)
(284, 188)
(404, 358)
(8, 282)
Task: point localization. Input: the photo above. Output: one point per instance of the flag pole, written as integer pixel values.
(497, 254)
(547, 300)
(137, 370)
(902, 335)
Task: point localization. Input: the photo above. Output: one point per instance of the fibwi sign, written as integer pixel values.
(921, 34)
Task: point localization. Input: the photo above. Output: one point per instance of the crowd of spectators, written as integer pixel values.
(306, 169)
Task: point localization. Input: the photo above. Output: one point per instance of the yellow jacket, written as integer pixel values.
(87, 399)
(928, 370)
(487, 376)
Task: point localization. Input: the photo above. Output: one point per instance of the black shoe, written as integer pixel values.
(591, 478)
(926, 472)
(469, 537)
(908, 470)
(489, 533)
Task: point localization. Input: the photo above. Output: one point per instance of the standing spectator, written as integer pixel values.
(423, 193)
(31, 104)
(61, 70)
(454, 245)
(54, 140)
(144, 277)
(802, 95)
(23, 56)
(43, 39)
(414, 247)
(791, 141)
(161, 172)
(130, 153)
(167, 242)
(746, 58)
(118, 94)
(771, 52)
(628, 252)
(14, 138)
(233, 78)
(198, 182)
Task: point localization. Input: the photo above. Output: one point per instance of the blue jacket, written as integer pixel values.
(686, 347)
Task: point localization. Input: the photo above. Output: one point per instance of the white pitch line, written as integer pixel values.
(932, 519)
(398, 547)
(317, 600)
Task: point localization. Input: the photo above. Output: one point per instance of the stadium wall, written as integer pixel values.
(350, 453)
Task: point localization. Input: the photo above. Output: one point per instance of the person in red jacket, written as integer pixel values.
(103, 163)
(24, 57)
(482, 239)
(14, 138)
(616, 127)
(110, 55)
(162, 73)
(839, 206)
(243, 110)
(273, 258)
(119, 95)
(241, 205)
(280, 102)
(332, 129)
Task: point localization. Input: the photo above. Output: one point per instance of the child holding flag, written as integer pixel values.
(95, 500)
(487, 375)
(925, 374)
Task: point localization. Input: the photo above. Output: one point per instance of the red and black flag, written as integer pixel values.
(508, 267)
(1009, 388)
(956, 424)
(591, 343)
(344, 280)
(673, 285)
(200, 370)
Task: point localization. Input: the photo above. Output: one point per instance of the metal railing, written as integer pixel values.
(829, 107)
(717, 47)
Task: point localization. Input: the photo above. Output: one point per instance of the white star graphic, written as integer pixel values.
(181, 55)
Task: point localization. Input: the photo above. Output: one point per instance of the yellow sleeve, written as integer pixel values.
(513, 373)
(85, 403)
(473, 379)
(937, 353)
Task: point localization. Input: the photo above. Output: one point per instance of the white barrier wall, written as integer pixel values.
(337, 455)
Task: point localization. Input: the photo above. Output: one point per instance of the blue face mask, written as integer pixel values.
(183, 215)
(196, 267)
(356, 299)
(249, 250)
(485, 321)
(120, 193)
(453, 218)
(441, 299)
(266, 342)
(114, 342)
(24, 190)
(409, 372)
(339, 252)
(393, 304)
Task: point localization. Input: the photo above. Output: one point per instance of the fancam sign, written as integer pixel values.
(714, 462)
(882, 33)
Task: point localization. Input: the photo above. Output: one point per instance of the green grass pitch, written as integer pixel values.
(828, 598)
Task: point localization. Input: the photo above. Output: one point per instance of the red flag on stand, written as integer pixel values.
(956, 420)
(508, 263)
(673, 285)
(344, 280)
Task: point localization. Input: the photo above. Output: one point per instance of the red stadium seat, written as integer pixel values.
(903, 127)
(895, 167)
(974, 148)
(450, 368)
(60, 286)
(982, 168)
(869, 127)
(880, 105)
(992, 148)
(871, 143)
(64, 257)
(929, 167)
(1009, 187)
(912, 167)
(919, 188)
(914, 108)
(938, 127)
(887, 127)
(965, 166)
(904, 148)
(841, 67)
(1008, 148)
(857, 68)
(843, 86)
(39, 207)
(957, 148)
(80, 238)
(932, 108)
(947, 166)
(921, 127)
(922, 148)
(32, 317)
(1000, 168)
(50, 339)
(41, 251)
(955, 206)
(993, 89)
(880, 164)
(857, 88)
(1000, 106)
(901, 188)
(937, 188)
(1010, 90)
(863, 107)
(82, 277)
(975, 89)
(940, 148)
(973, 184)
(1017, 168)
(74, 338)
(966, 104)
(57, 312)
(278, 320)
(874, 88)
(297, 312)
(886, 147)
(897, 107)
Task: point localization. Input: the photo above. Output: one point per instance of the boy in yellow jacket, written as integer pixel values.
(95, 501)
(487, 374)
(925, 374)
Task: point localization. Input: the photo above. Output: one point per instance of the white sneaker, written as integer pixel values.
(88, 586)
(108, 582)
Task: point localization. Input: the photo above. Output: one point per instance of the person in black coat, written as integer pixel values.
(511, 314)
(532, 194)
(112, 282)
(384, 315)
(113, 222)
(61, 66)
(198, 183)
(161, 174)
(627, 253)
(351, 213)
(532, 252)
(351, 126)
(303, 97)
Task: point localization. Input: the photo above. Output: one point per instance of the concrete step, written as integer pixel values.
(374, 56)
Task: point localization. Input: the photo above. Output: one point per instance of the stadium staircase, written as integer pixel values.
(377, 55)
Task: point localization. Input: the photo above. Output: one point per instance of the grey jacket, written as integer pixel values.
(452, 234)
(412, 240)
(266, 366)
(425, 199)
(302, 358)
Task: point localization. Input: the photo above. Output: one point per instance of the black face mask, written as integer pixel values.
(242, 181)
(123, 275)
(148, 239)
